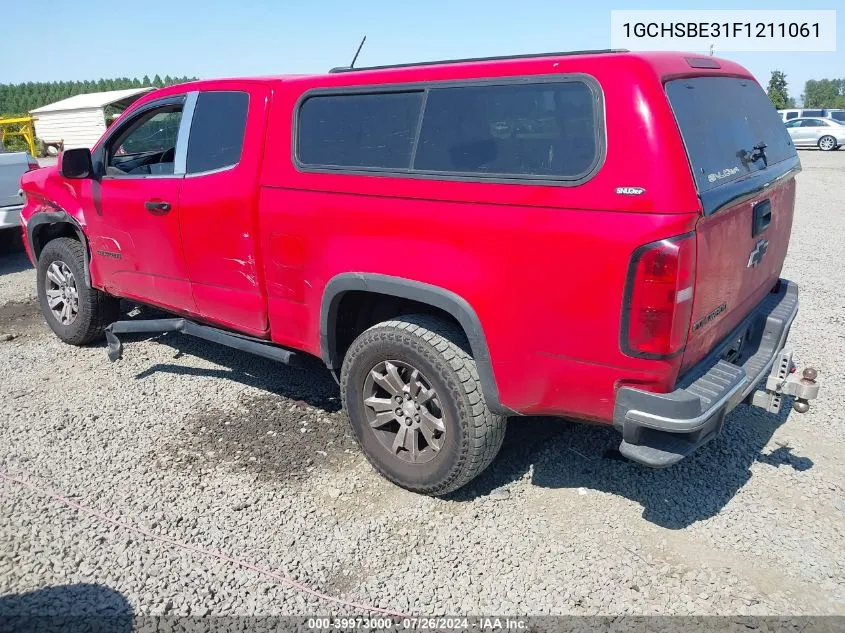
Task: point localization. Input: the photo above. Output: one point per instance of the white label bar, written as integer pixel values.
(729, 30)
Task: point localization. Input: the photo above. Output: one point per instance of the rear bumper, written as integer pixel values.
(10, 217)
(750, 365)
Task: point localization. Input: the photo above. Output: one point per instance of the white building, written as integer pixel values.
(80, 121)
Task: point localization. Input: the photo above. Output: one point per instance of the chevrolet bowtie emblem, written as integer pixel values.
(757, 253)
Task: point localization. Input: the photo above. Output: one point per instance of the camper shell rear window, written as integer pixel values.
(722, 120)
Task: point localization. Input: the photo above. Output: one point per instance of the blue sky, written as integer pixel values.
(215, 38)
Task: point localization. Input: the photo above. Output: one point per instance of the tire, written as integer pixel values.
(471, 435)
(827, 143)
(95, 309)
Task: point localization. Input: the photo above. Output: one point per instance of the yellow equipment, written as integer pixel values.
(23, 127)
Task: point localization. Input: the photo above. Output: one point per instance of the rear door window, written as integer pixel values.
(217, 131)
(721, 120)
(838, 116)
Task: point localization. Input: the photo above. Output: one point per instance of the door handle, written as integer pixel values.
(762, 217)
(157, 206)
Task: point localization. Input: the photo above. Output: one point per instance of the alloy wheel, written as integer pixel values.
(62, 293)
(827, 143)
(404, 411)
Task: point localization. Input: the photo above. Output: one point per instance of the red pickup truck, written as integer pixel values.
(596, 235)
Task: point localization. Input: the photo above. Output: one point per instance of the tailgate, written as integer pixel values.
(744, 166)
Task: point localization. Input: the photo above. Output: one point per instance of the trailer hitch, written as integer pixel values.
(784, 381)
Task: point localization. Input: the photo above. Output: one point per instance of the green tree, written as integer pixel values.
(823, 93)
(777, 90)
(17, 99)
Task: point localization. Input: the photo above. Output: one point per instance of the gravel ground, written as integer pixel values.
(230, 453)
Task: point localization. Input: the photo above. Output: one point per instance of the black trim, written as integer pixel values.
(626, 300)
(57, 216)
(762, 217)
(435, 296)
(569, 181)
(599, 51)
(660, 429)
(242, 342)
(745, 188)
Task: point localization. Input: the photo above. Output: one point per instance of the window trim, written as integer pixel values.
(99, 157)
(181, 159)
(589, 81)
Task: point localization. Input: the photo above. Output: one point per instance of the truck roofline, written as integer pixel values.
(664, 64)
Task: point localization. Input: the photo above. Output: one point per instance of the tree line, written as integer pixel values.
(18, 99)
(818, 93)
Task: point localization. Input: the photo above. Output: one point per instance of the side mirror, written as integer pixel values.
(76, 163)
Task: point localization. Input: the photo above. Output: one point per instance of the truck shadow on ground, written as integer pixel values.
(561, 454)
(66, 609)
(554, 453)
(309, 382)
(13, 257)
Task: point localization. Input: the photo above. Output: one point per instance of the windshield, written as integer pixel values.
(729, 126)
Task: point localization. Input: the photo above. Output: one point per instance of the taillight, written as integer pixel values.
(658, 298)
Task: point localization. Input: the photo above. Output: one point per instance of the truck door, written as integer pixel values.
(136, 247)
(218, 204)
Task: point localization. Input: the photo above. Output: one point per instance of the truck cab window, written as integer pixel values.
(217, 131)
(146, 146)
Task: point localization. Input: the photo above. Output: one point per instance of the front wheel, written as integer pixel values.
(827, 143)
(411, 392)
(76, 312)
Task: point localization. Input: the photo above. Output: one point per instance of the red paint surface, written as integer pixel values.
(543, 267)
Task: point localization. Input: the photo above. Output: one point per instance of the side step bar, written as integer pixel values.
(256, 346)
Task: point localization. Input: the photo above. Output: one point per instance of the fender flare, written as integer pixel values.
(437, 297)
(57, 216)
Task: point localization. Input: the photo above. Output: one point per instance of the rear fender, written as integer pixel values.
(434, 296)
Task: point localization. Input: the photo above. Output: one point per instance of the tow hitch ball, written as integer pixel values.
(808, 379)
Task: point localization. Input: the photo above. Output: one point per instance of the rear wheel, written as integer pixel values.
(77, 313)
(411, 391)
(827, 143)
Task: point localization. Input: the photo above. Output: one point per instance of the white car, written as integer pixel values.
(837, 114)
(826, 134)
